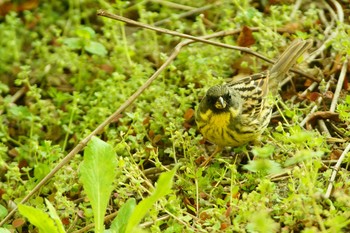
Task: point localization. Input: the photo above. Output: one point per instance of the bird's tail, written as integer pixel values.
(286, 61)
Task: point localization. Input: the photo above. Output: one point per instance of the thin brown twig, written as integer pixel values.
(332, 109)
(339, 85)
(317, 103)
(335, 171)
(200, 39)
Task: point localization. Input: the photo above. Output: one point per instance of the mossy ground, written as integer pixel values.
(63, 70)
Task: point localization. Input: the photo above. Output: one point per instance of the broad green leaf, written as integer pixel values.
(3, 230)
(164, 184)
(262, 222)
(264, 166)
(54, 216)
(73, 43)
(41, 170)
(302, 155)
(264, 152)
(39, 218)
(120, 222)
(85, 32)
(95, 48)
(97, 173)
(3, 211)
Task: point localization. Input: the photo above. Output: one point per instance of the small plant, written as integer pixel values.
(97, 173)
(84, 42)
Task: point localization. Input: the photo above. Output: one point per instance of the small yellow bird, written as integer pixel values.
(236, 113)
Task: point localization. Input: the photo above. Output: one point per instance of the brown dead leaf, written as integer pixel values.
(200, 160)
(18, 222)
(308, 82)
(335, 154)
(245, 38)
(346, 84)
(2, 192)
(22, 163)
(106, 67)
(204, 216)
(290, 28)
(228, 211)
(313, 96)
(189, 114)
(187, 125)
(321, 115)
(65, 221)
(151, 133)
(156, 139)
(224, 225)
(189, 202)
(6, 7)
(146, 121)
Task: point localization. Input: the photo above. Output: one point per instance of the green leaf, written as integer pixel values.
(41, 170)
(97, 173)
(21, 112)
(262, 222)
(3, 211)
(164, 184)
(73, 43)
(39, 218)
(263, 152)
(302, 155)
(54, 216)
(264, 166)
(85, 33)
(96, 48)
(120, 222)
(3, 230)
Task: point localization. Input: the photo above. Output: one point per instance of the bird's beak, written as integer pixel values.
(220, 103)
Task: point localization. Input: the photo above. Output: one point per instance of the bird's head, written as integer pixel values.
(223, 98)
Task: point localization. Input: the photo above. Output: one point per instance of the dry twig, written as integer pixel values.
(339, 85)
(335, 171)
(200, 39)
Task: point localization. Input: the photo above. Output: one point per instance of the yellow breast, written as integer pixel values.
(214, 128)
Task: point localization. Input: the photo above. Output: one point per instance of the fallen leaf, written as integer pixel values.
(224, 225)
(335, 154)
(156, 139)
(204, 216)
(18, 222)
(290, 27)
(6, 7)
(65, 221)
(245, 38)
(321, 115)
(189, 114)
(313, 96)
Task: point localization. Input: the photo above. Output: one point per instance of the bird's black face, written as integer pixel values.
(221, 98)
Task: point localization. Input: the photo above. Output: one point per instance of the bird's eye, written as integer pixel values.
(228, 96)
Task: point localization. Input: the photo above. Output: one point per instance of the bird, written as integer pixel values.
(236, 113)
